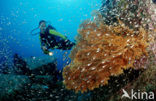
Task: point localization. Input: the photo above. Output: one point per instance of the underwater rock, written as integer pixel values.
(134, 13)
(20, 66)
(108, 11)
(34, 62)
(141, 63)
(104, 93)
(46, 69)
(154, 51)
(39, 92)
(4, 69)
(43, 83)
(35, 66)
(9, 83)
(146, 82)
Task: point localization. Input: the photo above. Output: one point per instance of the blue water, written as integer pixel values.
(19, 17)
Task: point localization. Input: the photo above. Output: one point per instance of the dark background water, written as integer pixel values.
(19, 17)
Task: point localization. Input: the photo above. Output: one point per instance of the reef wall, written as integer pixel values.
(106, 49)
(103, 51)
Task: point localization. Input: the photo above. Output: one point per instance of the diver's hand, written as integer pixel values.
(48, 53)
(45, 50)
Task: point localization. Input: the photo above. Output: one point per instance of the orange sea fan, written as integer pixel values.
(103, 51)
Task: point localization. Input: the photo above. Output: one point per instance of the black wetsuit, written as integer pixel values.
(51, 41)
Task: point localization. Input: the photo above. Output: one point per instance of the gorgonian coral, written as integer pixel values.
(103, 51)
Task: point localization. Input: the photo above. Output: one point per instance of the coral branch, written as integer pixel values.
(103, 51)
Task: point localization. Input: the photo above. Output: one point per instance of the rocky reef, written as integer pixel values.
(106, 50)
(103, 51)
(37, 83)
(115, 50)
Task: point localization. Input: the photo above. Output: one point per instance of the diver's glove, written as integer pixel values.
(48, 52)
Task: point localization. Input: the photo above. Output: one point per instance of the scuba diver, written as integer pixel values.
(51, 39)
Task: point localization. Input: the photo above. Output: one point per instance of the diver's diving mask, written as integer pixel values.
(43, 26)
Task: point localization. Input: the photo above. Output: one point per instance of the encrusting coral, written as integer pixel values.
(103, 51)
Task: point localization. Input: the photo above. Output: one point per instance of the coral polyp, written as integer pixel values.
(103, 51)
